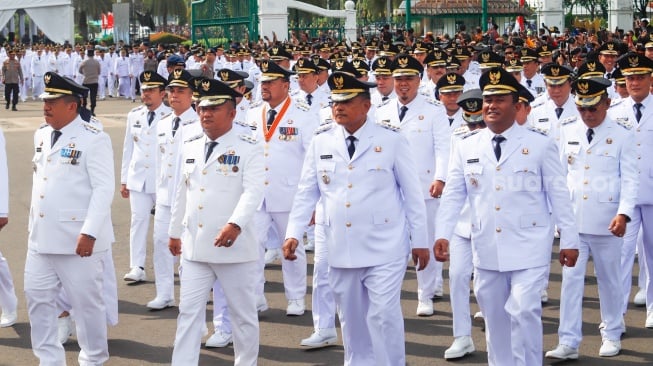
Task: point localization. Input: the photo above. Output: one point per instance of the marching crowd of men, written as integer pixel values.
(370, 154)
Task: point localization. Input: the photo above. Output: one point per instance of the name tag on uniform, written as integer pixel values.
(471, 161)
(190, 161)
(162, 134)
(136, 126)
(38, 149)
(326, 157)
(543, 120)
(573, 142)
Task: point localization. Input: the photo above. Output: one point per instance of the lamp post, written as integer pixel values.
(408, 17)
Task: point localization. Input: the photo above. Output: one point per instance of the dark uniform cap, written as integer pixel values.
(151, 79)
(544, 50)
(180, 78)
(214, 92)
(591, 69)
(58, 86)
(345, 86)
(344, 66)
(471, 102)
(381, 66)
(271, 71)
(232, 77)
(452, 62)
(372, 45)
(527, 54)
(175, 60)
(647, 41)
(462, 53)
(305, 66)
(513, 65)
(488, 59)
(618, 77)
(450, 83)
(589, 91)
(421, 47)
(248, 86)
(525, 95)
(278, 53)
(436, 58)
(635, 64)
(358, 54)
(388, 49)
(361, 66)
(406, 65)
(609, 48)
(555, 74)
(212, 50)
(324, 47)
(497, 81)
(321, 63)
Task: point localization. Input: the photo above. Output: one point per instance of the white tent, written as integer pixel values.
(54, 17)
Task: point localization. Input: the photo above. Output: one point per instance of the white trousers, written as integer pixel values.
(512, 308)
(82, 280)
(460, 273)
(24, 87)
(369, 310)
(633, 242)
(294, 272)
(430, 278)
(8, 300)
(642, 218)
(163, 261)
(111, 85)
(38, 86)
(124, 86)
(606, 254)
(102, 86)
(323, 304)
(238, 283)
(141, 206)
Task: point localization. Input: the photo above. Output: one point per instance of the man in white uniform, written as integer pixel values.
(8, 300)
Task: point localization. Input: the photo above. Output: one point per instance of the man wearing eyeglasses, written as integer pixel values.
(599, 157)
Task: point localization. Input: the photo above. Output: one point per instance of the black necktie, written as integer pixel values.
(209, 150)
(383, 99)
(590, 135)
(402, 112)
(54, 137)
(351, 147)
(271, 115)
(498, 139)
(558, 112)
(150, 118)
(608, 75)
(309, 99)
(450, 121)
(175, 125)
(437, 94)
(529, 82)
(638, 111)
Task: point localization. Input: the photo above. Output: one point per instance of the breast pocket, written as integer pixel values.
(608, 159)
(473, 175)
(325, 171)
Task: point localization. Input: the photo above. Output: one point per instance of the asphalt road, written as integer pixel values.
(145, 337)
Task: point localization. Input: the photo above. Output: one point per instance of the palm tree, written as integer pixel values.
(165, 8)
(86, 8)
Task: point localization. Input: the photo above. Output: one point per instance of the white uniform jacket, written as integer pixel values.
(72, 190)
(601, 175)
(426, 126)
(139, 150)
(510, 217)
(643, 131)
(227, 188)
(544, 116)
(371, 203)
(284, 153)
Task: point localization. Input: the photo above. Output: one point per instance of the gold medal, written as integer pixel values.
(473, 182)
(163, 150)
(326, 179)
(570, 159)
(135, 138)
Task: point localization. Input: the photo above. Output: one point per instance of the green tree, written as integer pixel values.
(167, 8)
(595, 8)
(89, 8)
(640, 7)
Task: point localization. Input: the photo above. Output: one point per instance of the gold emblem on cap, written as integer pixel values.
(513, 62)
(633, 61)
(300, 62)
(524, 52)
(386, 46)
(555, 71)
(610, 46)
(437, 54)
(382, 62)
(583, 88)
(495, 77)
(545, 47)
(177, 73)
(591, 66)
(275, 50)
(356, 63)
(472, 105)
(340, 64)
(224, 75)
(451, 78)
(264, 66)
(197, 83)
(339, 82)
(147, 75)
(485, 57)
(206, 85)
(48, 78)
(403, 62)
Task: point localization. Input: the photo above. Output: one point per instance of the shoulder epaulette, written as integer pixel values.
(388, 125)
(624, 122)
(194, 138)
(538, 103)
(89, 127)
(323, 128)
(383, 102)
(242, 123)
(255, 103)
(326, 121)
(616, 102)
(302, 105)
(541, 131)
(470, 133)
(569, 120)
(433, 101)
(293, 92)
(137, 108)
(424, 92)
(189, 122)
(43, 125)
(166, 116)
(249, 138)
(461, 130)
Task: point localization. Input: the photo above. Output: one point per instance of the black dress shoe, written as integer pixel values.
(14, 108)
